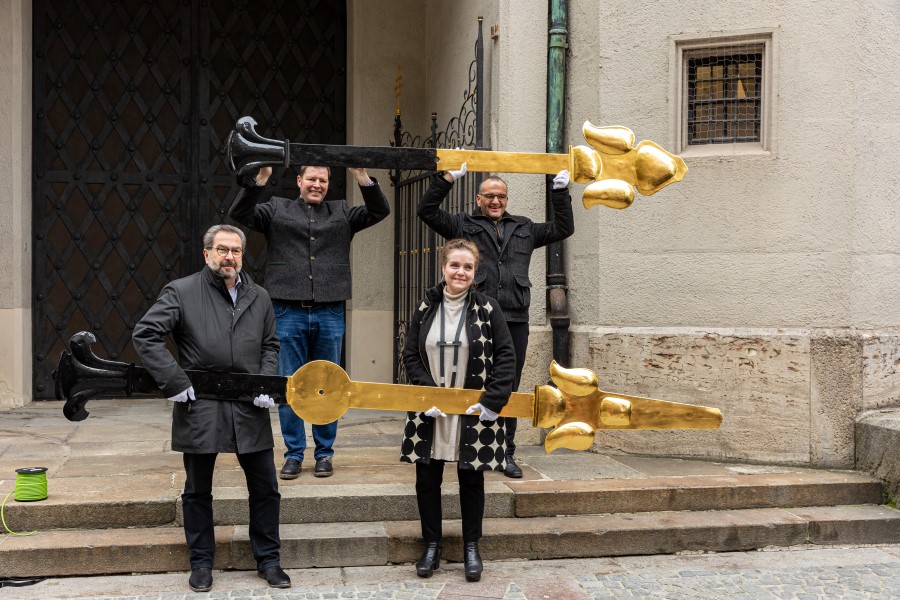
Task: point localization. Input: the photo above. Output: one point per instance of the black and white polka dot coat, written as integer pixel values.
(492, 367)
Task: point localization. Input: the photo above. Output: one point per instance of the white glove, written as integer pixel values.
(434, 412)
(184, 396)
(263, 401)
(486, 413)
(457, 174)
(561, 180)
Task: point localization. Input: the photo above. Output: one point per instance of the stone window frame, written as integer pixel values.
(685, 47)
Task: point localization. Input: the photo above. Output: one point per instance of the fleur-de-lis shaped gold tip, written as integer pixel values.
(613, 166)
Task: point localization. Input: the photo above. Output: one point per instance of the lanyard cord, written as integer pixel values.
(442, 342)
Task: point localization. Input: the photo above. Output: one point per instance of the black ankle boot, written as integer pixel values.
(472, 561)
(430, 561)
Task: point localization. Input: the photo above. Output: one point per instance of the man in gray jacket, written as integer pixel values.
(506, 243)
(220, 321)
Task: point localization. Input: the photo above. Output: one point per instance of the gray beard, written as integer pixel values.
(222, 274)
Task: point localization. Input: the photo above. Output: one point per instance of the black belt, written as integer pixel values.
(309, 303)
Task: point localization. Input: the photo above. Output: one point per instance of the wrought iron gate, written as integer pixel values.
(416, 264)
(132, 103)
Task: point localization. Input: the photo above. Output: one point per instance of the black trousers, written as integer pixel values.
(519, 333)
(429, 478)
(265, 506)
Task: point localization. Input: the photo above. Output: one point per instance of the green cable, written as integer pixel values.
(31, 485)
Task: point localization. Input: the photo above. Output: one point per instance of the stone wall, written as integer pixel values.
(878, 448)
(375, 53)
(788, 396)
(881, 369)
(15, 203)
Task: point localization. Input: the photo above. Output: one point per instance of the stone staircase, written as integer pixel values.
(110, 511)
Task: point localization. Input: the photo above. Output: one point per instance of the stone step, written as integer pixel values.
(152, 501)
(720, 492)
(162, 549)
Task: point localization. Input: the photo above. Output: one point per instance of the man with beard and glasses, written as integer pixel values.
(506, 243)
(220, 321)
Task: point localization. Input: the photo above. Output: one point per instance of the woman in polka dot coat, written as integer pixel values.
(469, 329)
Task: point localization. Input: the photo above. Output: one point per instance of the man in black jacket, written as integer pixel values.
(506, 243)
(308, 277)
(220, 321)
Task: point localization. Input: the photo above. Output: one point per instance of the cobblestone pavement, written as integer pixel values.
(869, 572)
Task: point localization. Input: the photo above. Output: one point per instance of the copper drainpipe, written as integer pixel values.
(557, 297)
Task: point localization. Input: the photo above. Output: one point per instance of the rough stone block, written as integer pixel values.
(836, 396)
(405, 540)
(97, 552)
(759, 378)
(788, 396)
(851, 524)
(663, 533)
(878, 447)
(881, 369)
(320, 545)
(96, 503)
(332, 503)
(697, 493)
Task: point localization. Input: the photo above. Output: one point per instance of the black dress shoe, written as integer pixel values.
(512, 469)
(472, 561)
(323, 467)
(201, 579)
(291, 468)
(276, 577)
(430, 561)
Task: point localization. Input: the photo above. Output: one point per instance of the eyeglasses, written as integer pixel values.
(492, 196)
(223, 251)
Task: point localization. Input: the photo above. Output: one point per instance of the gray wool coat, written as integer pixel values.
(211, 334)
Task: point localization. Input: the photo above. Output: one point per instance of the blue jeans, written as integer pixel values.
(307, 334)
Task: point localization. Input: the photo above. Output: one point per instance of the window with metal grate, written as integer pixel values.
(724, 96)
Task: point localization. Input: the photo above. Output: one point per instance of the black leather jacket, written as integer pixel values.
(503, 269)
